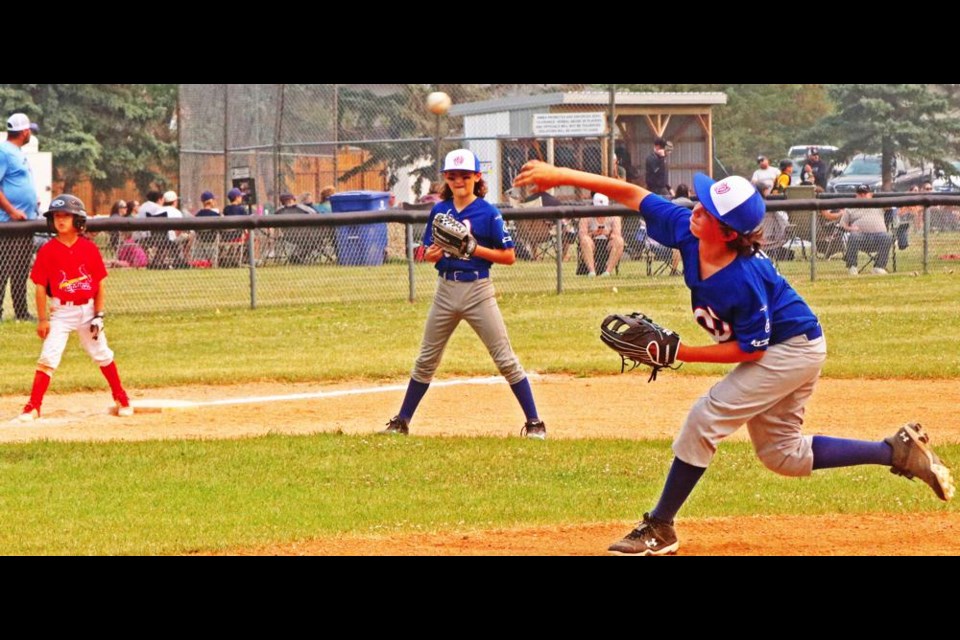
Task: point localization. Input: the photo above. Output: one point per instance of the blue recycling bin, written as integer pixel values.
(360, 244)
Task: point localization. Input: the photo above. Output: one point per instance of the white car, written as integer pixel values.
(949, 182)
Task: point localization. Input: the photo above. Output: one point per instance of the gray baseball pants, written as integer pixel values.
(476, 303)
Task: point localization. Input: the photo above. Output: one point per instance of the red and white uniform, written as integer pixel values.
(72, 276)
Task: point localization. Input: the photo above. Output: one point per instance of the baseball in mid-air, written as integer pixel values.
(438, 102)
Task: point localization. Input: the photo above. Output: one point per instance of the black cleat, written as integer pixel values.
(534, 429)
(397, 426)
(652, 537)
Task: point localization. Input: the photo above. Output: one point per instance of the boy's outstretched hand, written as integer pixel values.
(544, 176)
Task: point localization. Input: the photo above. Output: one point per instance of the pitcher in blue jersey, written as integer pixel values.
(758, 322)
(465, 292)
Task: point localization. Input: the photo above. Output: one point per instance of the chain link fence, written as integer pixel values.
(275, 139)
(285, 260)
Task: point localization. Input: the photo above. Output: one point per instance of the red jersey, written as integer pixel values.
(72, 274)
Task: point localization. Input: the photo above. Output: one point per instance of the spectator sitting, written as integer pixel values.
(433, 195)
(208, 202)
(119, 209)
(324, 205)
(868, 232)
(765, 175)
(782, 181)
(234, 208)
(303, 239)
(600, 230)
(775, 225)
(289, 204)
(183, 239)
(532, 236)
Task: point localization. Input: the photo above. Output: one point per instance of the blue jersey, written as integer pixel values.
(485, 223)
(748, 300)
(16, 180)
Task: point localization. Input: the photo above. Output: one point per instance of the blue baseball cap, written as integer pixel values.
(733, 201)
(206, 195)
(461, 160)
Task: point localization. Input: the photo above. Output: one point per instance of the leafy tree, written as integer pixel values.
(401, 113)
(918, 121)
(109, 133)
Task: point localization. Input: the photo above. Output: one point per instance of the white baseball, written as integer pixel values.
(438, 102)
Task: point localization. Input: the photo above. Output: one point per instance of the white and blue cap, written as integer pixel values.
(733, 201)
(461, 160)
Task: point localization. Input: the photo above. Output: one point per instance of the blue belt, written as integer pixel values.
(465, 276)
(816, 332)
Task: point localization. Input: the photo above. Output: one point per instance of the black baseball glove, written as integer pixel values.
(640, 340)
(452, 236)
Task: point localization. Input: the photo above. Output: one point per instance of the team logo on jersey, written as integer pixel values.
(719, 329)
(70, 285)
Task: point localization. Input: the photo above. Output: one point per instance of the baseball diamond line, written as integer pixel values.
(147, 404)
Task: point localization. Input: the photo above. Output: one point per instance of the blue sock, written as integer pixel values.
(680, 482)
(829, 453)
(411, 401)
(525, 397)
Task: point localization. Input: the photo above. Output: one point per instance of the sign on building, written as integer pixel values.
(562, 125)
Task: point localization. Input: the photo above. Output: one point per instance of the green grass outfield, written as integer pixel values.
(179, 496)
(876, 327)
(149, 498)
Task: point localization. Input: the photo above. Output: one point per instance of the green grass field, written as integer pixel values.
(178, 496)
(876, 327)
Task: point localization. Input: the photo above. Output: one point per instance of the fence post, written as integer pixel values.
(559, 244)
(410, 281)
(253, 269)
(813, 244)
(926, 237)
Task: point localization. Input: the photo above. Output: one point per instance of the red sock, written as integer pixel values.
(41, 381)
(110, 373)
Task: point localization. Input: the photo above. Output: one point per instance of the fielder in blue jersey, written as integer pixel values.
(759, 323)
(465, 292)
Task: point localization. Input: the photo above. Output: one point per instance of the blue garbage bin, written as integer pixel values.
(360, 244)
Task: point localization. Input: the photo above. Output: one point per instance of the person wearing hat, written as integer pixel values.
(235, 207)
(304, 240)
(68, 275)
(181, 239)
(765, 175)
(868, 232)
(465, 292)
(657, 173)
(784, 177)
(18, 202)
(819, 170)
(757, 322)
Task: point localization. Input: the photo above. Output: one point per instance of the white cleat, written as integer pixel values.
(29, 416)
(124, 412)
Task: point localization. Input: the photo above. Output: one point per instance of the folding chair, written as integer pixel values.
(659, 254)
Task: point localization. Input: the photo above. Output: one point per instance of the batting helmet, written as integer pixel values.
(67, 203)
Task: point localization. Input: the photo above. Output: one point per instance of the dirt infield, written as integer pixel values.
(836, 535)
(613, 406)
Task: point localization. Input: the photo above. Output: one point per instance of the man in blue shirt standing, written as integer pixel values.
(18, 201)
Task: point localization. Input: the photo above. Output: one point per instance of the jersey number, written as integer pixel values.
(719, 330)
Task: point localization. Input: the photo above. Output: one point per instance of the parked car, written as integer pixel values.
(865, 169)
(948, 182)
(798, 154)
